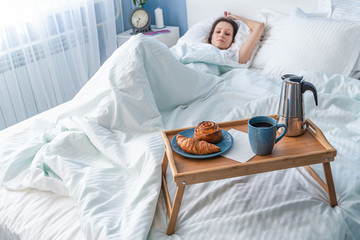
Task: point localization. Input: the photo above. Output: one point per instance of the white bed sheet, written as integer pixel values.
(286, 204)
(33, 214)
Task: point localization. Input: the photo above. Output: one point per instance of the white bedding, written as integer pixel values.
(103, 151)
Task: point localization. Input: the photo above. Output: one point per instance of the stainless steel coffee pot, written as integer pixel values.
(291, 105)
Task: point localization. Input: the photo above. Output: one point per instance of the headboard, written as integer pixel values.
(198, 10)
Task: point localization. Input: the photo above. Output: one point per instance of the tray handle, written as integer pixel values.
(318, 134)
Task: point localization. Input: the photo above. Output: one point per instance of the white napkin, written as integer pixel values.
(240, 150)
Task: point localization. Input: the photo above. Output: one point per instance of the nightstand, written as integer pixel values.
(169, 39)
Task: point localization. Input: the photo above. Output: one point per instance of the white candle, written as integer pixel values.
(159, 18)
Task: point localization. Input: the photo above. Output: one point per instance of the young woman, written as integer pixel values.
(223, 31)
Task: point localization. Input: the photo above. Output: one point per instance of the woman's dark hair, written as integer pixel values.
(223, 19)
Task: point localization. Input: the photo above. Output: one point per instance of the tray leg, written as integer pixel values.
(330, 184)
(164, 185)
(175, 210)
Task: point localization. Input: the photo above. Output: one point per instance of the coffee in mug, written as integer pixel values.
(262, 124)
(262, 134)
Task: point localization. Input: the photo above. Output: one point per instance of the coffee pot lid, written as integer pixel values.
(291, 78)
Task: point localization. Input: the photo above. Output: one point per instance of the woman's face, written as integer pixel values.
(223, 35)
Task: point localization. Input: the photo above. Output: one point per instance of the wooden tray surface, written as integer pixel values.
(309, 148)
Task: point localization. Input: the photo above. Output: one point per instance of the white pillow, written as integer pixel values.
(315, 43)
(348, 10)
(325, 6)
(199, 33)
(275, 25)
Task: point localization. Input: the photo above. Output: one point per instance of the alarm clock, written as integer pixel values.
(140, 21)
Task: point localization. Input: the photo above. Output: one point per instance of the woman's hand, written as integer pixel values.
(229, 15)
(251, 23)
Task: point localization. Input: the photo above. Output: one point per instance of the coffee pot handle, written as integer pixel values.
(308, 86)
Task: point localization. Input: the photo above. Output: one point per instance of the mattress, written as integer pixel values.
(91, 168)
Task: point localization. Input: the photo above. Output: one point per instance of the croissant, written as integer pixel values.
(208, 131)
(195, 146)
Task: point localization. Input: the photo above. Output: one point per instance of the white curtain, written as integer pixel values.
(48, 51)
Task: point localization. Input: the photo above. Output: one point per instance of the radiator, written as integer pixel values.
(30, 85)
(42, 69)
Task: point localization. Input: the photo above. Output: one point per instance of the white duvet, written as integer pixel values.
(103, 150)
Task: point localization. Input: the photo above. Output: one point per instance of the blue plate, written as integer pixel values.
(224, 144)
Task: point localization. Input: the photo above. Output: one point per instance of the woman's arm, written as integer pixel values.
(257, 29)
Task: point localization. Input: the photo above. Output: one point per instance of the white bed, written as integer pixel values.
(91, 168)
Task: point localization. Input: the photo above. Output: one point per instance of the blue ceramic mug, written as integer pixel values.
(262, 134)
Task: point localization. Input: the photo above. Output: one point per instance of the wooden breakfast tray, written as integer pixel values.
(307, 149)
